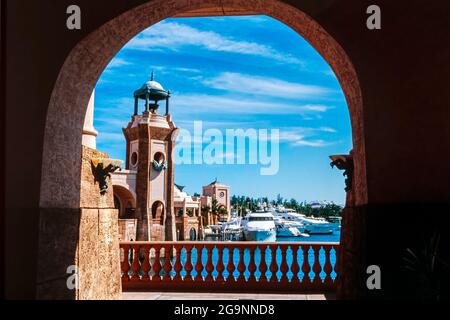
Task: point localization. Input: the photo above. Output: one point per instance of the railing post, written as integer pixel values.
(125, 266)
(167, 263)
(209, 264)
(199, 264)
(337, 250)
(146, 263)
(284, 268)
(263, 264)
(135, 266)
(230, 264)
(177, 266)
(157, 264)
(327, 268)
(241, 265)
(188, 265)
(220, 266)
(316, 267)
(305, 267)
(273, 263)
(295, 268)
(252, 264)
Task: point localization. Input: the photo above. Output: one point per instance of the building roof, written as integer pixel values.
(214, 182)
(153, 89)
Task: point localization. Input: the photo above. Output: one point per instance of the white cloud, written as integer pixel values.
(311, 143)
(171, 35)
(118, 62)
(204, 104)
(305, 137)
(273, 87)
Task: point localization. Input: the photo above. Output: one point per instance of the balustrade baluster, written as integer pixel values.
(306, 269)
(177, 266)
(295, 268)
(263, 264)
(199, 264)
(252, 264)
(157, 264)
(125, 262)
(273, 263)
(188, 265)
(146, 263)
(209, 264)
(220, 267)
(337, 250)
(230, 265)
(167, 262)
(316, 266)
(241, 265)
(135, 265)
(284, 268)
(327, 268)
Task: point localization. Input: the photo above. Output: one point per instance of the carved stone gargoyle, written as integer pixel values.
(344, 162)
(102, 169)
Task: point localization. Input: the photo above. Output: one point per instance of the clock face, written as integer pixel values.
(222, 194)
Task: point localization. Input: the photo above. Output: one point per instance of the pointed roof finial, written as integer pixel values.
(153, 76)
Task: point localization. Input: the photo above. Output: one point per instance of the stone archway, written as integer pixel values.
(60, 185)
(127, 201)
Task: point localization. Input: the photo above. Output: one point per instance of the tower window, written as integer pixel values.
(134, 159)
(158, 212)
(159, 157)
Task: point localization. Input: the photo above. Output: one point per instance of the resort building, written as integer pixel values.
(188, 215)
(220, 193)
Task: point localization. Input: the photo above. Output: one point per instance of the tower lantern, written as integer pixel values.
(151, 91)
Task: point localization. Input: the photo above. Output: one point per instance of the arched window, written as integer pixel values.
(158, 212)
(192, 234)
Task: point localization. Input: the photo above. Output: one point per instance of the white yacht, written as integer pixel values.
(232, 230)
(310, 225)
(259, 226)
(288, 228)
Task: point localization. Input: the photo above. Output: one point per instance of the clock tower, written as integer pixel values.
(221, 193)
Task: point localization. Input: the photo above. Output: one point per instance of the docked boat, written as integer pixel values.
(232, 230)
(286, 229)
(259, 226)
(310, 225)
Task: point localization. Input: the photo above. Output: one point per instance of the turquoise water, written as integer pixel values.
(289, 258)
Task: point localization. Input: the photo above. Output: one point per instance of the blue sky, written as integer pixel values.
(236, 72)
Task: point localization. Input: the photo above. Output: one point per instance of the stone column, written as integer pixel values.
(89, 132)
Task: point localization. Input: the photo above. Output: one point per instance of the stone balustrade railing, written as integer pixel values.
(229, 266)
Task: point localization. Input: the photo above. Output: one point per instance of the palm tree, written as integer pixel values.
(205, 211)
(215, 207)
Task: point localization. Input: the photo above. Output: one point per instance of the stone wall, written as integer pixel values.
(85, 237)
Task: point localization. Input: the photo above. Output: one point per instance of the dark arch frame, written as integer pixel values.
(60, 184)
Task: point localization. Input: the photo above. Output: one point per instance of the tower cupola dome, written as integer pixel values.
(151, 91)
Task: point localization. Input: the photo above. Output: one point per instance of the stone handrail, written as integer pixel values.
(251, 267)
